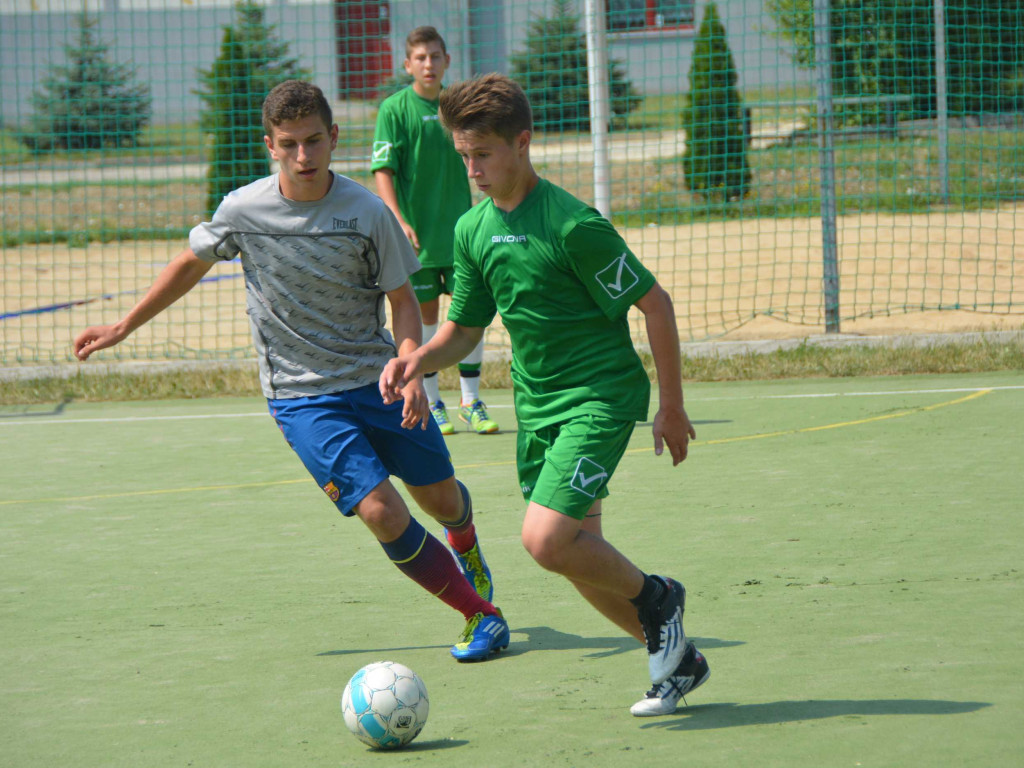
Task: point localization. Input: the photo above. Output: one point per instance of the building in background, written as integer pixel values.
(354, 47)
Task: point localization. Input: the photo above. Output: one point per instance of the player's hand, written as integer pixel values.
(411, 234)
(672, 426)
(398, 372)
(416, 406)
(95, 338)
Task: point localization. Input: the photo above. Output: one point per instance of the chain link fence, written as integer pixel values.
(785, 167)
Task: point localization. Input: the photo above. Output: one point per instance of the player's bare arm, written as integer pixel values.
(408, 331)
(385, 181)
(174, 281)
(671, 424)
(450, 344)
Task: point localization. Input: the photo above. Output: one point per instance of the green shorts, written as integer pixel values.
(566, 467)
(431, 282)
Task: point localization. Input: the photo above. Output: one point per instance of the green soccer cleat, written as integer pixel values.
(483, 636)
(474, 568)
(476, 417)
(440, 414)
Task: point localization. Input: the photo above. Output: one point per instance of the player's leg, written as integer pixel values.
(692, 672)
(420, 458)
(428, 314)
(427, 283)
(417, 553)
(450, 504)
(558, 543)
(564, 470)
(472, 410)
(619, 610)
(329, 434)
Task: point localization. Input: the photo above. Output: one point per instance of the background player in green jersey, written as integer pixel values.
(563, 280)
(422, 180)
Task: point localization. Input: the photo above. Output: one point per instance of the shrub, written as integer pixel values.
(553, 72)
(251, 62)
(90, 102)
(715, 160)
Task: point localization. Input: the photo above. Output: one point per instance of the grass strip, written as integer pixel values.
(807, 360)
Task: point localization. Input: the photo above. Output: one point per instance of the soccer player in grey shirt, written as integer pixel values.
(320, 255)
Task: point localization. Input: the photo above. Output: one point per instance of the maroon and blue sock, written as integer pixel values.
(425, 560)
(462, 533)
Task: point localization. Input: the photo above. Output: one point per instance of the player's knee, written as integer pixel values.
(544, 551)
(386, 515)
(443, 501)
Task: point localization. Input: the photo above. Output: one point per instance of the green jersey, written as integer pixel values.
(562, 280)
(430, 179)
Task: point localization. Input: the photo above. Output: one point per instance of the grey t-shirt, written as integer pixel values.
(315, 277)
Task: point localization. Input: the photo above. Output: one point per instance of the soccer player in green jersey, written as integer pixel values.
(562, 280)
(421, 179)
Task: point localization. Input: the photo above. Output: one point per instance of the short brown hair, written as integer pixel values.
(424, 36)
(294, 100)
(492, 103)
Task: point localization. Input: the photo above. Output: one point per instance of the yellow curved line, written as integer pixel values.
(719, 441)
(837, 425)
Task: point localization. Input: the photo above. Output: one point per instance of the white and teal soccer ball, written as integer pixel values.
(385, 705)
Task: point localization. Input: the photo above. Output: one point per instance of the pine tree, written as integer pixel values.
(553, 73)
(250, 63)
(715, 160)
(89, 103)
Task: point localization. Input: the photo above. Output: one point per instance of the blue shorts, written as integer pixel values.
(351, 442)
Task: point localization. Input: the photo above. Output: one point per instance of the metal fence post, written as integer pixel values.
(827, 163)
(941, 100)
(597, 76)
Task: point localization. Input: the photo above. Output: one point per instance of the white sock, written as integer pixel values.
(470, 389)
(430, 383)
(471, 384)
(428, 332)
(432, 388)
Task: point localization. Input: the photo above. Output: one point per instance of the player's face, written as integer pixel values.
(500, 170)
(303, 149)
(427, 64)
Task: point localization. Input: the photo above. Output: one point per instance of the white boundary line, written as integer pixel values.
(31, 420)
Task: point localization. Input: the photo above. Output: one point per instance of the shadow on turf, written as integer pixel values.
(421, 745)
(548, 639)
(706, 717)
(58, 409)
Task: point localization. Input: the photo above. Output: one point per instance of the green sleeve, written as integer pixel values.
(612, 274)
(387, 140)
(472, 304)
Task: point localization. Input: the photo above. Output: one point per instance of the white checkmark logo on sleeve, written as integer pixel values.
(617, 278)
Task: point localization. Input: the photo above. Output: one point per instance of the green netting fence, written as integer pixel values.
(786, 167)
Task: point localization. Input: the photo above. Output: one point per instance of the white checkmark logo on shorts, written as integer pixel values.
(617, 278)
(587, 483)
